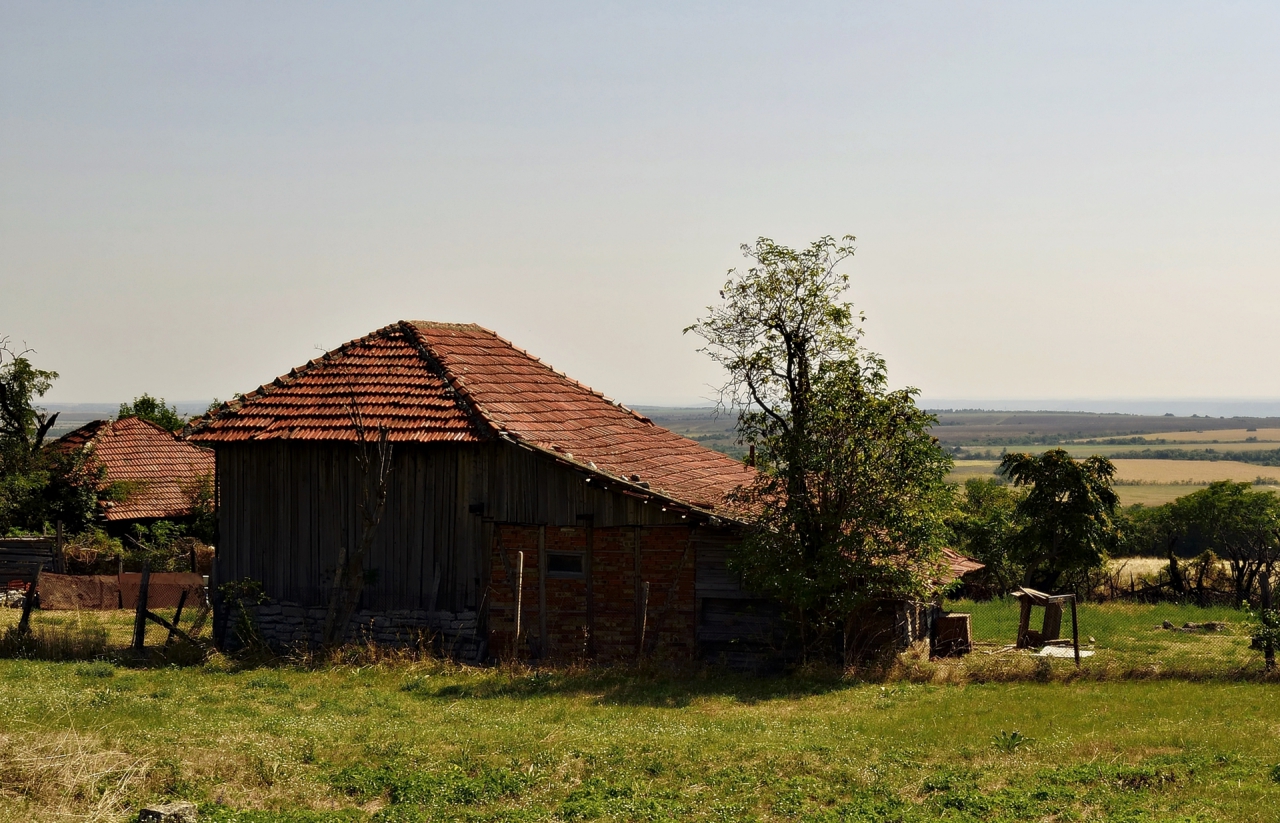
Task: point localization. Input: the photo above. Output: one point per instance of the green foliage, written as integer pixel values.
(986, 525)
(204, 515)
(1258, 457)
(22, 426)
(164, 544)
(1264, 626)
(1068, 513)
(39, 485)
(1234, 522)
(450, 785)
(1010, 742)
(154, 410)
(850, 496)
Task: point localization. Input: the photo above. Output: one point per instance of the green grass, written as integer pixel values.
(431, 742)
(1129, 636)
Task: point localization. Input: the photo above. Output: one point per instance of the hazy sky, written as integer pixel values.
(1051, 200)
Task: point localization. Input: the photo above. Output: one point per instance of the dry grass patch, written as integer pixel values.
(69, 775)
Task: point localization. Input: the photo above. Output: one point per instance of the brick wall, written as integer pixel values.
(665, 561)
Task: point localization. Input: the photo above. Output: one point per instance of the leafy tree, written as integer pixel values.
(1238, 524)
(153, 409)
(38, 485)
(986, 525)
(23, 426)
(1068, 513)
(847, 508)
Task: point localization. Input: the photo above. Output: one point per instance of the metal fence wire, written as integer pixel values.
(1119, 634)
(76, 616)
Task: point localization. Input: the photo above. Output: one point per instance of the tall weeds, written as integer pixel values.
(68, 775)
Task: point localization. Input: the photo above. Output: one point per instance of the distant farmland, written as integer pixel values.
(986, 434)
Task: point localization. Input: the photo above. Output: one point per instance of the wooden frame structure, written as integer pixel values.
(1052, 625)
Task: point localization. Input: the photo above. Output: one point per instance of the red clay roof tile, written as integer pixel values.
(155, 461)
(431, 382)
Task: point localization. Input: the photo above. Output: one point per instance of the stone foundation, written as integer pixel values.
(285, 626)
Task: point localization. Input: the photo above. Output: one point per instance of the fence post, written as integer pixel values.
(544, 642)
(519, 600)
(140, 614)
(59, 560)
(644, 613)
(1075, 631)
(28, 603)
(177, 616)
(1268, 647)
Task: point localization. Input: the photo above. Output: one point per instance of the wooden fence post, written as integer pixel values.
(177, 615)
(28, 603)
(589, 564)
(140, 614)
(1075, 631)
(519, 601)
(59, 559)
(544, 643)
(644, 613)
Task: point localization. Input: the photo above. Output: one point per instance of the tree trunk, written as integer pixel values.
(349, 575)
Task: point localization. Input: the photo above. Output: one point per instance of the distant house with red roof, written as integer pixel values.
(503, 470)
(152, 469)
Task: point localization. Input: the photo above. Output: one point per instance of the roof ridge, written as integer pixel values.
(236, 403)
(535, 358)
(452, 381)
(111, 424)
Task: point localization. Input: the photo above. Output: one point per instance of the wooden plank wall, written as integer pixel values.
(286, 508)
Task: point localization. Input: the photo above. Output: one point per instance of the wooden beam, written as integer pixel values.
(1075, 631)
(589, 568)
(155, 618)
(140, 613)
(515, 651)
(28, 603)
(544, 642)
(177, 615)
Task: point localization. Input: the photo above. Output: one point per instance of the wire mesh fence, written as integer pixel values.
(87, 616)
(1156, 637)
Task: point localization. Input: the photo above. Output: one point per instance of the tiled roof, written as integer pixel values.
(958, 564)
(155, 462)
(430, 382)
(386, 375)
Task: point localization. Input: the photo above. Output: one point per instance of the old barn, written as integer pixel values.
(503, 470)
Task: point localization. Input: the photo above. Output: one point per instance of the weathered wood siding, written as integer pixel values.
(735, 626)
(285, 509)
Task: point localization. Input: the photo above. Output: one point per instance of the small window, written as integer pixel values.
(564, 565)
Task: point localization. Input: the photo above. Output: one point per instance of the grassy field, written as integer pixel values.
(1130, 636)
(427, 741)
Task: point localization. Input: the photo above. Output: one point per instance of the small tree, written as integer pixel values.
(38, 485)
(154, 410)
(373, 459)
(23, 426)
(1240, 525)
(985, 523)
(1067, 513)
(847, 507)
